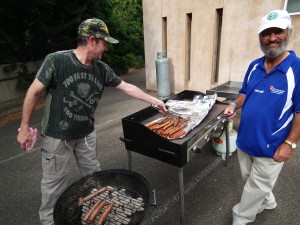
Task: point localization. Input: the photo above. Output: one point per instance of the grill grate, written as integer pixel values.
(124, 206)
(126, 183)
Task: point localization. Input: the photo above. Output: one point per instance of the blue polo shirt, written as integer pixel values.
(270, 105)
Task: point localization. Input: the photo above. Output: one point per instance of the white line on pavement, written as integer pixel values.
(19, 155)
(160, 211)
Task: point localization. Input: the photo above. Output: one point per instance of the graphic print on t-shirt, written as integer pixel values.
(82, 96)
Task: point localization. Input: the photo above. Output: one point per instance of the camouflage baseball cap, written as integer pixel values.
(97, 28)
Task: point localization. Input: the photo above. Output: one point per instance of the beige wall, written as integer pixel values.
(11, 97)
(239, 41)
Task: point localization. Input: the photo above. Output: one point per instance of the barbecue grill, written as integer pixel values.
(138, 138)
(130, 184)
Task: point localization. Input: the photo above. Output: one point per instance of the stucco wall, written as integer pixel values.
(11, 97)
(239, 40)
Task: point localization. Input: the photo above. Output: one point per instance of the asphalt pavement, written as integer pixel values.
(211, 189)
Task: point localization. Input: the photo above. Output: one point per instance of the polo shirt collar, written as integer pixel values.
(284, 65)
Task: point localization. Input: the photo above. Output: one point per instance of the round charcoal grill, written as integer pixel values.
(66, 211)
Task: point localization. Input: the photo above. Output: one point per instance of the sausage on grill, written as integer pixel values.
(88, 214)
(105, 214)
(96, 211)
(81, 201)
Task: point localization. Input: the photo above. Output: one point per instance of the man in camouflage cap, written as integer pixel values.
(97, 28)
(74, 80)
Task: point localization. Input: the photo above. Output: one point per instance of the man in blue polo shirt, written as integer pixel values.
(270, 121)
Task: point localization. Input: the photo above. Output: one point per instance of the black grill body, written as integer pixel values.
(138, 138)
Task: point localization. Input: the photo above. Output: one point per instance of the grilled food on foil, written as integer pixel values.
(183, 116)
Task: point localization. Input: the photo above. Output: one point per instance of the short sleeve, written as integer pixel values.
(46, 73)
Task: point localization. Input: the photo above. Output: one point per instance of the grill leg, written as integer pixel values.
(227, 141)
(129, 156)
(181, 195)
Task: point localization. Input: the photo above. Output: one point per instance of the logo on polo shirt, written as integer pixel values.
(259, 91)
(276, 91)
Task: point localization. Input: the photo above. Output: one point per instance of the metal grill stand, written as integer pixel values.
(180, 173)
(138, 138)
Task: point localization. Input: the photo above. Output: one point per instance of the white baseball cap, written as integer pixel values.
(277, 18)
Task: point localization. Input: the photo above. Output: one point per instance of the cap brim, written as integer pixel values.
(269, 25)
(111, 40)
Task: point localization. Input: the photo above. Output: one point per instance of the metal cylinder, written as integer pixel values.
(162, 75)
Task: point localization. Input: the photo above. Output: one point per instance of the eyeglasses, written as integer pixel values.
(268, 32)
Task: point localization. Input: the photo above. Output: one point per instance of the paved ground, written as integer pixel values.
(211, 189)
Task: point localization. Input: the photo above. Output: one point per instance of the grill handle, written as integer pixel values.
(153, 203)
(166, 151)
(125, 140)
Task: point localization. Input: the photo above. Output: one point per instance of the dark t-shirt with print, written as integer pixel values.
(74, 91)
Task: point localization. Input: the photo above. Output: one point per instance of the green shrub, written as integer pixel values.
(24, 77)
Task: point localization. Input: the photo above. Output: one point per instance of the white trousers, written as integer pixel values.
(56, 155)
(260, 175)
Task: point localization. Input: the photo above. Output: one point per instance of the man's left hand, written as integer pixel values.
(283, 153)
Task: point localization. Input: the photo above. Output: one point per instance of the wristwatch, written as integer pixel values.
(293, 145)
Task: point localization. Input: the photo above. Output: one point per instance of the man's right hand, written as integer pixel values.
(24, 138)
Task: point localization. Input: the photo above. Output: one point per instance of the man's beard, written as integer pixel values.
(274, 53)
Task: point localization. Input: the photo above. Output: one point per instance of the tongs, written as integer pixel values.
(167, 113)
(216, 120)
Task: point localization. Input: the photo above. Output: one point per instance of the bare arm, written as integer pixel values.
(294, 134)
(137, 93)
(284, 151)
(230, 110)
(30, 101)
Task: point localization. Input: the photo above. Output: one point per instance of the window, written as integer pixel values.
(188, 40)
(292, 6)
(217, 45)
(164, 34)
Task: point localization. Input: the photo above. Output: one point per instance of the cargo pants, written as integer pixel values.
(56, 155)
